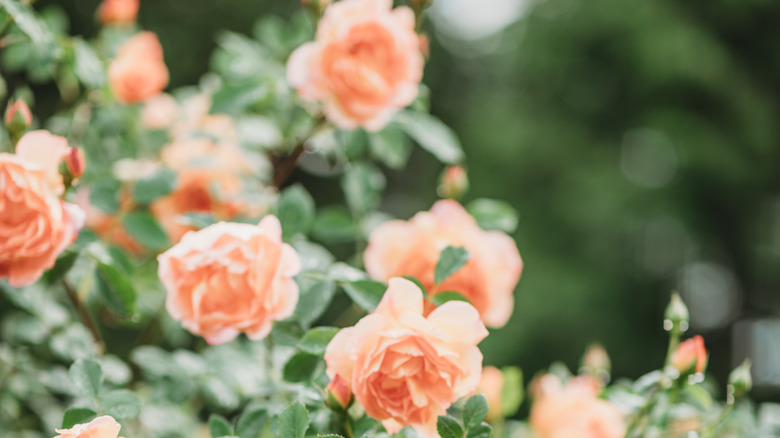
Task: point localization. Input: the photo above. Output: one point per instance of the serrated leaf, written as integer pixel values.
(293, 421)
(77, 416)
(491, 214)
(87, 65)
(295, 211)
(512, 392)
(116, 289)
(451, 260)
(145, 229)
(87, 375)
(121, 404)
(219, 426)
(432, 135)
(148, 189)
(480, 431)
(442, 297)
(64, 262)
(251, 422)
(316, 340)
(365, 293)
(448, 427)
(301, 367)
(475, 411)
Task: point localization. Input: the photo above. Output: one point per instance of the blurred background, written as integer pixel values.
(638, 140)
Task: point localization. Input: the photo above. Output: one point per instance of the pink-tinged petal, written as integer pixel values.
(271, 227)
(47, 151)
(460, 320)
(402, 296)
(452, 212)
(221, 337)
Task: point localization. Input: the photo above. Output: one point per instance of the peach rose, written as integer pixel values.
(119, 11)
(401, 248)
(47, 151)
(364, 65)
(35, 226)
(690, 355)
(406, 369)
(160, 111)
(491, 385)
(100, 427)
(231, 278)
(573, 410)
(138, 72)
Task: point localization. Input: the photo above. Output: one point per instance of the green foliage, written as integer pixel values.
(147, 190)
(449, 427)
(293, 421)
(295, 211)
(365, 293)
(87, 376)
(450, 261)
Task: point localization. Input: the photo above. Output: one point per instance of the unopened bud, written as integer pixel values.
(740, 382)
(118, 11)
(453, 182)
(690, 356)
(596, 363)
(676, 315)
(75, 162)
(17, 118)
(316, 6)
(339, 394)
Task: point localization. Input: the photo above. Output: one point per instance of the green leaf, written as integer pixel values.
(144, 228)
(26, 20)
(314, 299)
(442, 297)
(362, 184)
(391, 147)
(448, 427)
(493, 215)
(103, 195)
(301, 367)
(432, 135)
(293, 421)
(480, 431)
(512, 390)
(316, 340)
(365, 293)
(77, 416)
(251, 422)
(233, 98)
(116, 289)
(334, 225)
(87, 65)
(451, 260)
(87, 376)
(475, 411)
(155, 186)
(219, 426)
(295, 211)
(64, 262)
(121, 404)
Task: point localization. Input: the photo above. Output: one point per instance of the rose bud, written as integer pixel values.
(17, 119)
(596, 363)
(740, 382)
(690, 356)
(676, 315)
(339, 395)
(453, 183)
(75, 162)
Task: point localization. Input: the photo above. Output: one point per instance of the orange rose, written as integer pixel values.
(573, 410)
(100, 427)
(231, 278)
(47, 151)
(406, 369)
(119, 11)
(491, 385)
(35, 226)
(138, 72)
(401, 248)
(690, 355)
(364, 65)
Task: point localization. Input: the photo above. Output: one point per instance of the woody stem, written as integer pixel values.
(84, 315)
(285, 166)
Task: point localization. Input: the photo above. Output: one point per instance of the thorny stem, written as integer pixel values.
(284, 166)
(84, 315)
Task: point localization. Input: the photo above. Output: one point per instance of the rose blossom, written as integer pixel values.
(47, 151)
(138, 72)
(364, 65)
(401, 248)
(35, 226)
(118, 11)
(406, 369)
(230, 278)
(100, 427)
(491, 385)
(690, 355)
(573, 410)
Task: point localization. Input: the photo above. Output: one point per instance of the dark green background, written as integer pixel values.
(543, 119)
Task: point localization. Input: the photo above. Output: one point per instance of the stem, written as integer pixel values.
(346, 424)
(710, 431)
(84, 315)
(284, 167)
(633, 426)
(674, 342)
